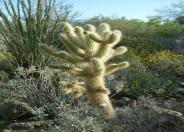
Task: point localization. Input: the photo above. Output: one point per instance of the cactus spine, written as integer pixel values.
(88, 50)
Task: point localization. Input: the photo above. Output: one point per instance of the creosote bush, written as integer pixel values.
(88, 51)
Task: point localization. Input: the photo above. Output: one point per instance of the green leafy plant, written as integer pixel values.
(23, 28)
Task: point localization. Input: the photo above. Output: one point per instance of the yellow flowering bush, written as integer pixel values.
(155, 72)
(165, 61)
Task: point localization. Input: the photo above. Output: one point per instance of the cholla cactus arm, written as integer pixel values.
(70, 46)
(70, 70)
(89, 49)
(97, 66)
(90, 28)
(114, 67)
(111, 39)
(61, 54)
(104, 28)
(107, 39)
(71, 39)
(81, 36)
(119, 51)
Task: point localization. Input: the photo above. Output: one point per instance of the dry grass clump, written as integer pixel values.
(146, 116)
(71, 114)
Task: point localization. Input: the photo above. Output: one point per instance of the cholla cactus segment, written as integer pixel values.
(76, 88)
(104, 27)
(87, 54)
(119, 51)
(114, 67)
(90, 28)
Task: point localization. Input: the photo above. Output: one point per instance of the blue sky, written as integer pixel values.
(131, 9)
(138, 9)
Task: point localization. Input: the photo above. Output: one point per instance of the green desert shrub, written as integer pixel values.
(133, 27)
(5, 61)
(148, 73)
(136, 79)
(73, 121)
(169, 29)
(147, 116)
(139, 81)
(141, 44)
(24, 28)
(166, 61)
(6, 95)
(70, 114)
(168, 68)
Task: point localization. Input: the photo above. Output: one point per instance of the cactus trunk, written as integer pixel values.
(97, 94)
(102, 100)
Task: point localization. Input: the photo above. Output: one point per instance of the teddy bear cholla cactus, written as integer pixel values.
(88, 50)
